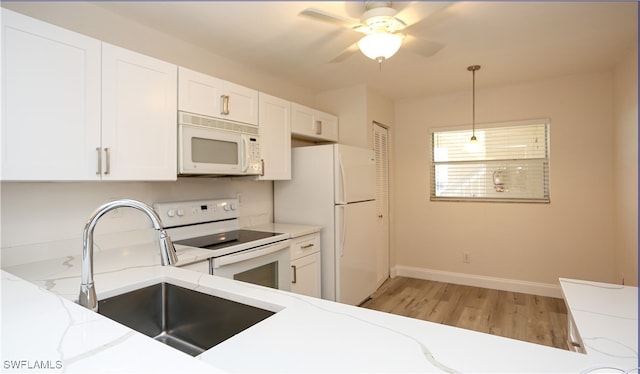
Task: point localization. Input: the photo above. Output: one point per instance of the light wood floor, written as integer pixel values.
(531, 318)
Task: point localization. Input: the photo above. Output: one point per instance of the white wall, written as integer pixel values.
(45, 220)
(357, 107)
(350, 105)
(379, 109)
(573, 236)
(626, 168)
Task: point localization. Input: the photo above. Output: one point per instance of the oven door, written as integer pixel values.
(267, 265)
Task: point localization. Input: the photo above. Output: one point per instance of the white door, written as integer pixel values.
(50, 101)
(210, 96)
(305, 277)
(325, 126)
(242, 103)
(355, 174)
(199, 93)
(381, 149)
(355, 252)
(139, 106)
(275, 137)
(302, 120)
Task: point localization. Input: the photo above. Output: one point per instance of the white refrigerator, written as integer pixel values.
(333, 186)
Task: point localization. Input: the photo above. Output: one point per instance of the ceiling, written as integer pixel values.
(512, 41)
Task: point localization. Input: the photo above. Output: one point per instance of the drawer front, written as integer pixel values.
(305, 245)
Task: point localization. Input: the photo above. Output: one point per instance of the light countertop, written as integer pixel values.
(293, 230)
(42, 325)
(606, 316)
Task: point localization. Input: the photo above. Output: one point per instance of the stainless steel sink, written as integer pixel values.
(184, 319)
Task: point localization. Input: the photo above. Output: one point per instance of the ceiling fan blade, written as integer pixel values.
(423, 47)
(417, 11)
(320, 15)
(348, 52)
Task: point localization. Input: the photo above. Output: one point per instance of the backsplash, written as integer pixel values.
(44, 220)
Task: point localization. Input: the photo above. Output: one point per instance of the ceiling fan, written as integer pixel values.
(385, 29)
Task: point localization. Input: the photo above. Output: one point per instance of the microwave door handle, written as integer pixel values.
(244, 165)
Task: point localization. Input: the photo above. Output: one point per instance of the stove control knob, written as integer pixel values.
(233, 206)
(227, 207)
(171, 213)
(180, 212)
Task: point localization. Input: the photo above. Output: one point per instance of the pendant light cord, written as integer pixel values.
(473, 105)
(473, 69)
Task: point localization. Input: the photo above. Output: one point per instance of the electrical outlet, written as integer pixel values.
(466, 257)
(239, 197)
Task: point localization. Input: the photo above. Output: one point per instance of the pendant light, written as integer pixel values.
(473, 69)
(473, 144)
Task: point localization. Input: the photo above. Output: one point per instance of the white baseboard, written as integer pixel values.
(504, 284)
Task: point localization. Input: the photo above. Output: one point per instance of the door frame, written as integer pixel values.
(387, 130)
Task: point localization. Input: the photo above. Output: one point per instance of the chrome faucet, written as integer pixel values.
(88, 296)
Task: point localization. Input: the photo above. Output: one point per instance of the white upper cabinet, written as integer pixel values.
(199, 93)
(74, 108)
(242, 103)
(139, 109)
(206, 95)
(312, 124)
(50, 101)
(275, 137)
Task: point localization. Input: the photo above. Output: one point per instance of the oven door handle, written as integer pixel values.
(249, 254)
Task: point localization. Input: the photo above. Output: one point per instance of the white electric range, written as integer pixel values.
(252, 256)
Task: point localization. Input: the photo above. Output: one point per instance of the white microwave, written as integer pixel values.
(211, 146)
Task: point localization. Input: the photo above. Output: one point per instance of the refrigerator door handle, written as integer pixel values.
(342, 199)
(342, 224)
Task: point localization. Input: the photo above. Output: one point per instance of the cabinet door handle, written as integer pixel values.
(295, 275)
(107, 153)
(224, 104)
(307, 246)
(262, 166)
(99, 150)
(318, 127)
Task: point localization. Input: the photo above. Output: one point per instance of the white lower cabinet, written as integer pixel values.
(305, 265)
(305, 277)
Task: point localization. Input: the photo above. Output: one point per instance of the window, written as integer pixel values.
(510, 164)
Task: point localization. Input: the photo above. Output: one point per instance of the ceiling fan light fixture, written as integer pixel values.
(380, 46)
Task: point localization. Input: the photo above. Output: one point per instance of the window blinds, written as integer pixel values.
(510, 163)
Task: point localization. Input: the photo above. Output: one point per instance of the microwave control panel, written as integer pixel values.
(254, 161)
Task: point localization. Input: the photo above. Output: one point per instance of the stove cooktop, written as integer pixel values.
(226, 239)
